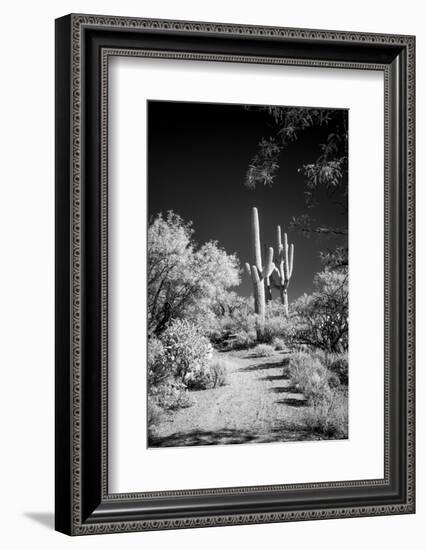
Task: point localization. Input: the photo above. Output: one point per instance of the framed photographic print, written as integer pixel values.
(234, 274)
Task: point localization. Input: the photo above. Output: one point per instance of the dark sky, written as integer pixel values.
(198, 155)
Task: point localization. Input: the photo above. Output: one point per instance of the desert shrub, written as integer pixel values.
(200, 379)
(212, 376)
(158, 369)
(239, 327)
(321, 318)
(340, 368)
(187, 351)
(170, 395)
(329, 417)
(154, 413)
(184, 279)
(309, 376)
(218, 371)
(242, 340)
(165, 392)
(263, 350)
(244, 320)
(222, 316)
(164, 398)
(276, 324)
(316, 353)
(337, 363)
(333, 380)
(279, 344)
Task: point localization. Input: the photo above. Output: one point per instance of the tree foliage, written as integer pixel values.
(181, 274)
(322, 317)
(329, 169)
(325, 176)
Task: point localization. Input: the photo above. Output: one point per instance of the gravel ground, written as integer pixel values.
(257, 405)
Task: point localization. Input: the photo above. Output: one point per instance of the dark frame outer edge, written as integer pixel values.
(81, 508)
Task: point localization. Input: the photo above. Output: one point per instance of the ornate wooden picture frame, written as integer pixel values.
(84, 45)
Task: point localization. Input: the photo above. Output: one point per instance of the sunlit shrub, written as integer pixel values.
(321, 318)
(218, 371)
(279, 344)
(337, 364)
(242, 340)
(329, 417)
(340, 368)
(158, 369)
(263, 350)
(154, 413)
(187, 351)
(170, 395)
(309, 376)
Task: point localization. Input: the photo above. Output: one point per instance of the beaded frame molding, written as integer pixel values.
(84, 44)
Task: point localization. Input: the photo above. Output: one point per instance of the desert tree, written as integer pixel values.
(181, 273)
(321, 318)
(325, 176)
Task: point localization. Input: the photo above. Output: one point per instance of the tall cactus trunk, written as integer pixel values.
(263, 275)
(268, 290)
(286, 258)
(259, 306)
(259, 274)
(268, 284)
(255, 239)
(284, 299)
(257, 268)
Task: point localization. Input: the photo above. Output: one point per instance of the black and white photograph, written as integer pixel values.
(209, 301)
(247, 274)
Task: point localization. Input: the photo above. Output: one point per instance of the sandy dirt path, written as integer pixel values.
(257, 405)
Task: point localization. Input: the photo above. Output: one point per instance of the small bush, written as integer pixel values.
(333, 380)
(263, 350)
(214, 376)
(154, 413)
(158, 370)
(330, 417)
(340, 368)
(188, 352)
(279, 344)
(321, 318)
(218, 372)
(319, 354)
(309, 376)
(170, 395)
(276, 325)
(200, 379)
(243, 340)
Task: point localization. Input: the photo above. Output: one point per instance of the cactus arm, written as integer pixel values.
(271, 275)
(279, 242)
(255, 274)
(270, 266)
(290, 270)
(248, 269)
(281, 270)
(256, 238)
(285, 251)
(284, 270)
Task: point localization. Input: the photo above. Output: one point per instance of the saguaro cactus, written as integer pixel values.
(285, 266)
(260, 274)
(268, 280)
